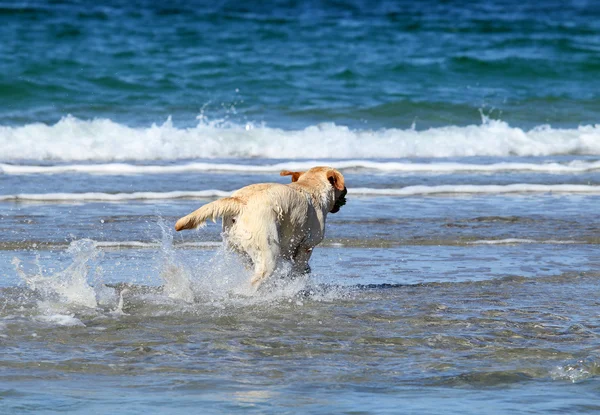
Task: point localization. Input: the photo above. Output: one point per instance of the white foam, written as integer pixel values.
(113, 197)
(576, 166)
(72, 139)
(361, 191)
(476, 189)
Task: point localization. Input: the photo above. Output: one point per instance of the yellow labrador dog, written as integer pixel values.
(267, 222)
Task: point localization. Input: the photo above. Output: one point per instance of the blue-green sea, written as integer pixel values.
(293, 64)
(461, 277)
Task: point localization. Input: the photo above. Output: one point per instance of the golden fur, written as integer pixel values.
(267, 222)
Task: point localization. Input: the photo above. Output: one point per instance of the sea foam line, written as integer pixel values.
(405, 191)
(72, 139)
(576, 166)
(113, 197)
(477, 189)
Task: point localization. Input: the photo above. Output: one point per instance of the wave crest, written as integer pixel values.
(72, 139)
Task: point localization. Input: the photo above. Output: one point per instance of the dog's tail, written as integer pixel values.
(226, 207)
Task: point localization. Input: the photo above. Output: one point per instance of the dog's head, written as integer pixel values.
(317, 177)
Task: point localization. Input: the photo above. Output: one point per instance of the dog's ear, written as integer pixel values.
(336, 179)
(295, 174)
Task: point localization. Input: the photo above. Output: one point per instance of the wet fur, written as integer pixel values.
(267, 222)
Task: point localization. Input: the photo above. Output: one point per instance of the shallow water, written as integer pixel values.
(461, 277)
(471, 302)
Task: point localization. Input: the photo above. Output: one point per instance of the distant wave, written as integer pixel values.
(405, 191)
(113, 197)
(102, 140)
(477, 189)
(577, 166)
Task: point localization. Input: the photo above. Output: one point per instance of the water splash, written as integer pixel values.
(177, 284)
(216, 280)
(194, 281)
(223, 281)
(69, 286)
(578, 371)
(118, 310)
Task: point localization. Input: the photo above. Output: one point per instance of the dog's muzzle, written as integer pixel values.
(339, 202)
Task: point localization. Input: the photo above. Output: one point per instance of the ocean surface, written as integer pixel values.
(462, 276)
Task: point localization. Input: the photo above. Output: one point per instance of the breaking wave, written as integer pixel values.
(101, 140)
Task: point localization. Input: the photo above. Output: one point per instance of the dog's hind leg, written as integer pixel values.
(265, 263)
(265, 260)
(264, 267)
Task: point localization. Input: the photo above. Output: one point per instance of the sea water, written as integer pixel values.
(461, 276)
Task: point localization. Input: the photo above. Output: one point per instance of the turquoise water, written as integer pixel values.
(461, 276)
(293, 64)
